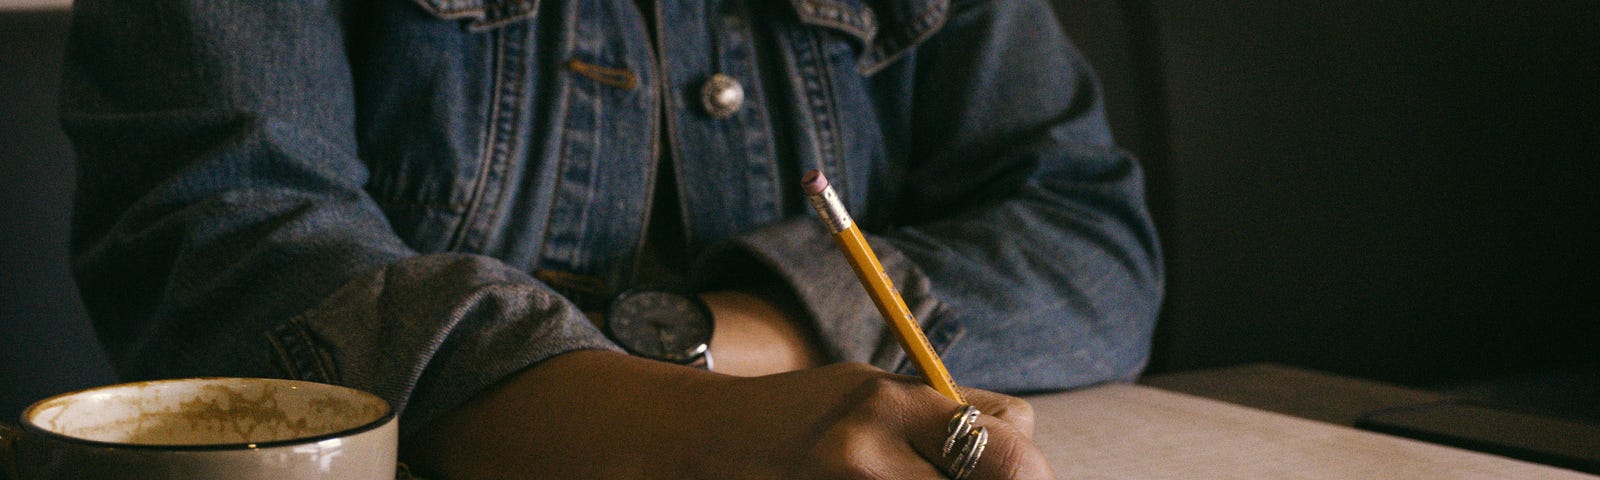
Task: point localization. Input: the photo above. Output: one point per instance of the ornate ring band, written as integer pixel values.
(965, 442)
(958, 427)
(971, 451)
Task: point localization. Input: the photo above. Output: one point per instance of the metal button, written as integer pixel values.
(721, 96)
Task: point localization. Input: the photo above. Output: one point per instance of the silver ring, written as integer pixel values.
(958, 427)
(966, 440)
(971, 451)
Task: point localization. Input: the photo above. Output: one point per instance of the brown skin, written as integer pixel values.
(599, 414)
(755, 337)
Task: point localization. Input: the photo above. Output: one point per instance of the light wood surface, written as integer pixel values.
(1133, 431)
(1294, 391)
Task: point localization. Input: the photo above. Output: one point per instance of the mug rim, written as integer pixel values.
(32, 429)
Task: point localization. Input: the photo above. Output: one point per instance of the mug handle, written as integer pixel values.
(8, 456)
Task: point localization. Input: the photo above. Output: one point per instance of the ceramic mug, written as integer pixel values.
(236, 428)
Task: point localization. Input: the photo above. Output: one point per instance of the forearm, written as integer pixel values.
(559, 419)
(590, 414)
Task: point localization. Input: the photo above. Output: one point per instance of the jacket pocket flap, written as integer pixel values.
(883, 29)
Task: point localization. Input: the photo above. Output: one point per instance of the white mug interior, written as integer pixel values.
(208, 412)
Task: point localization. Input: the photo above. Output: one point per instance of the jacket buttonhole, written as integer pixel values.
(613, 77)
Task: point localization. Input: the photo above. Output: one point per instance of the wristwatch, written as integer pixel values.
(665, 325)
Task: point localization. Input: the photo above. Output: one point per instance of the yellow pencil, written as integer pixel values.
(870, 272)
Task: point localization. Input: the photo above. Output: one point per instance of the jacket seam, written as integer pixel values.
(815, 79)
(459, 237)
(563, 154)
(298, 355)
(513, 40)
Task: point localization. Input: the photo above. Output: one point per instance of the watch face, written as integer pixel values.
(661, 325)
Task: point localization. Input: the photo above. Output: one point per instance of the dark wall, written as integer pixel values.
(1396, 190)
(46, 345)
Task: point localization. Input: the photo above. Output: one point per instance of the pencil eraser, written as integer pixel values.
(814, 182)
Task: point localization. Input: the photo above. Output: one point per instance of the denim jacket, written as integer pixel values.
(413, 197)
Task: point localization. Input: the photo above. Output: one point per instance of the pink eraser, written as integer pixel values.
(814, 182)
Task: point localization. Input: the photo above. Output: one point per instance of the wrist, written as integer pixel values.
(760, 334)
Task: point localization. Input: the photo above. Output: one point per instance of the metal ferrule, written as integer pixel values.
(831, 210)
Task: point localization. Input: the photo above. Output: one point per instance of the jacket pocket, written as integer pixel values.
(482, 14)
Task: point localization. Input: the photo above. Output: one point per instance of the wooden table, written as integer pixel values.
(1133, 431)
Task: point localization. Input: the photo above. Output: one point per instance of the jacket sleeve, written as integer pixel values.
(221, 226)
(1020, 236)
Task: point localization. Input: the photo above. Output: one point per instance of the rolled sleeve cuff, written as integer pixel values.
(801, 254)
(430, 332)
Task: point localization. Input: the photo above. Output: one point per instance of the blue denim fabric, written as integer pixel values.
(415, 197)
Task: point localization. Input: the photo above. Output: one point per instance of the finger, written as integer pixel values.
(1008, 454)
(875, 438)
(1012, 410)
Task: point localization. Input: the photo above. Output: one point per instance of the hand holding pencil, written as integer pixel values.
(845, 420)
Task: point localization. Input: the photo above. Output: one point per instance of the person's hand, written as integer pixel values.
(855, 421)
(595, 414)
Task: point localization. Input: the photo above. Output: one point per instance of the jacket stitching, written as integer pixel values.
(514, 41)
(863, 25)
(819, 96)
(757, 115)
(553, 197)
(486, 157)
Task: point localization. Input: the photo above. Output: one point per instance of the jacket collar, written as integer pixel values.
(883, 29)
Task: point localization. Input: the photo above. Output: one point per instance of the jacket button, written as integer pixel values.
(721, 96)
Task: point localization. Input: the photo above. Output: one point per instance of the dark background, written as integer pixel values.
(1400, 191)
(46, 343)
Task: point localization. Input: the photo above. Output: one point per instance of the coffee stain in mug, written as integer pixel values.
(219, 414)
(226, 416)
